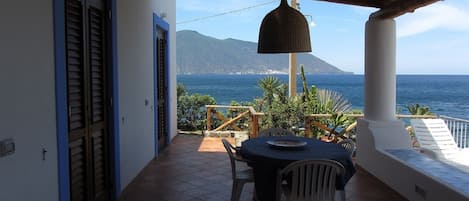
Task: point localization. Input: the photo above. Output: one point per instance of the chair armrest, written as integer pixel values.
(238, 157)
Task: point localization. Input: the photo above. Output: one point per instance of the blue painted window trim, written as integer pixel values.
(115, 98)
(160, 23)
(61, 100)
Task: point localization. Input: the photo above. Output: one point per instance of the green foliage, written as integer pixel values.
(416, 109)
(280, 110)
(339, 120)
(332, 102)
(271, 87)
(180, 90)
(323, 101)
(191, 111)
(289, 112)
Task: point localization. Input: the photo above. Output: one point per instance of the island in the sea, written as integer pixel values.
(200, 54)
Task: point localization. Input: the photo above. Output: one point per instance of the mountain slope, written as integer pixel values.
(199, 54)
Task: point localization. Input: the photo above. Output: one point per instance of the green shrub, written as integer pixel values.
(191, 111)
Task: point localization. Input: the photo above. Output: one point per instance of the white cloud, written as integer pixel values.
(438, 16)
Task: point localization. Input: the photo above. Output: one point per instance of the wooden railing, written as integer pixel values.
(314, 119)
(458, 127)
(248, 111)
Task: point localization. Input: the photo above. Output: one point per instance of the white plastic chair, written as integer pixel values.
(349, 145)
(240, 177)
(436, 141)
(309, 180)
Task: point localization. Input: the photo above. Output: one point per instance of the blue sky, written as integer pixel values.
(432, 40)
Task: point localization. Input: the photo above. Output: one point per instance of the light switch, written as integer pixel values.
(7, 147)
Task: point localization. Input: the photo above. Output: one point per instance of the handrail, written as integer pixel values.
(454, 118)
(416, 116)
(253, 116)
(362, 115)
(231, 121)
(308, 121)
(458, 127)
(251, 109)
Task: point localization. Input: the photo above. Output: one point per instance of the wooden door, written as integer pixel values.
(87, 97)
(162, 121)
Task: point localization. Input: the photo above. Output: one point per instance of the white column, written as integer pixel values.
(380, 70)
(292, 61)
(380, 130)
(292, 75)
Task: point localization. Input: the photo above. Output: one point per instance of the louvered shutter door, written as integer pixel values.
(76, 100)
(97, 103)
(161, 70)
(86, 68)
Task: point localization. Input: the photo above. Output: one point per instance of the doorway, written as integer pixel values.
(161, 54)
(88, 99)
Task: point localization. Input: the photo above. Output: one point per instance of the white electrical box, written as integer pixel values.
(7, 147)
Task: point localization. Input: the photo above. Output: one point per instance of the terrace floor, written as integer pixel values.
(197, 168)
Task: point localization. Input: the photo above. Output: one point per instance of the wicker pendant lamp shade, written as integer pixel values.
(284, 30)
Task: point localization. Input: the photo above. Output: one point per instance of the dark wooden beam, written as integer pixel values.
(400, 7)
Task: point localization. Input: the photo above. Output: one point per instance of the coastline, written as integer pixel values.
(444, 94)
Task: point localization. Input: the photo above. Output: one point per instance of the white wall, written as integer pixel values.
(135, 66)
(374, 137)
(27, 101)
(27, 88)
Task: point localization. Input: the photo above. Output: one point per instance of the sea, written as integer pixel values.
(444, 94)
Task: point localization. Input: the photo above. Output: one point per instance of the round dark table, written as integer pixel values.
(266, 160)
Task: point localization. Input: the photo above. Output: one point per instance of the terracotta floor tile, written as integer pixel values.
(196, 168)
